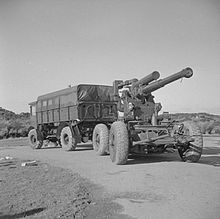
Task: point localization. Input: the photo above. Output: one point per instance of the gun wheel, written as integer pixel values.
(118, 143)
(100, 139)
(193, 152)
(68, 142)
(33, 138)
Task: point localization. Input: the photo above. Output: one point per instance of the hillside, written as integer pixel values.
(208, 123)
(12, 124)
(196, 116)
(8, 115)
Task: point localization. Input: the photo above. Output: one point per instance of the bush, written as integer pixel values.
(3, 133)
(206, 126)
(14, 128)
(217, 130)
(210, 127)
(203, 126)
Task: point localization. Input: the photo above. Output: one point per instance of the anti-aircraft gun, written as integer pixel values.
(140, 130)
(136, 100)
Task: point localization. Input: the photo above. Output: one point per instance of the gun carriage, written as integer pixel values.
(140, 130)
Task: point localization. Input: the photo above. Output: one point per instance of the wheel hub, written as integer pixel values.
(66, 139)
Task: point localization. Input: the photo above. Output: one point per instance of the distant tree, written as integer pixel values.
(15, 126)
(203, 126)
(217, 130)
(3, 128)
(3, 133)
(3, 124)
(210, 127)
(24, 115)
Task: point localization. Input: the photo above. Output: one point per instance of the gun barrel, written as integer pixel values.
(147, 79)
(127, 82)
(187, 73)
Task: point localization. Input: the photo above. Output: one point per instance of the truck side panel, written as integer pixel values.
(45, 116)
(39, 117)
(73, 112)
(50, 115)
(56, 115)
(64, 114)
(68, 113)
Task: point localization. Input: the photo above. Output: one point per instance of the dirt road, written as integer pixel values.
(157, 186)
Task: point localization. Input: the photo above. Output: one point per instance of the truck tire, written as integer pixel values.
(118, 143)
(194, 151)
(100, 139)
(33, 139)
(68, 142)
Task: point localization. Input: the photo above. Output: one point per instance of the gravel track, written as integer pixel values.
(157, 186)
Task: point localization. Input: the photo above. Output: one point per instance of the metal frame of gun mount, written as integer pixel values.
(140, 130)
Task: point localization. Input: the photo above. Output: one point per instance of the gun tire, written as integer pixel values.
(194, 150)
(100, 139)
(68, 142)
(33, 138)
(118, 143)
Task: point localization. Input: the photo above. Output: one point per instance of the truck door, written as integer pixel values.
(33, 117)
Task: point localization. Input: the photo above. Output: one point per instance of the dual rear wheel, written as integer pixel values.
(118, 143)
(67, 139)
(115, 142)
(100, 139)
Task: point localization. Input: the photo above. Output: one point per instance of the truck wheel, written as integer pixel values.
(33, 139)
(118, 143)
(68, 142)
(100, 139)
(194, 151)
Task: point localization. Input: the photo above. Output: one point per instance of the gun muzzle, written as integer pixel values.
(147, 79)
(187, 73)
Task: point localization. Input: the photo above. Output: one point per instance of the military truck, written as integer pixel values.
(120, 120)
(68, 116)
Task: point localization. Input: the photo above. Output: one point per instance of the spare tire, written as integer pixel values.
(68, 142)
(193, 152)
(118, 143)
(100, 139)
(34, 140)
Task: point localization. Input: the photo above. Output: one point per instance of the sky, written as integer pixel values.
(46, 45)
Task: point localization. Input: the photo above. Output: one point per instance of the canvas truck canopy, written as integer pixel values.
(81, 93)
(95, 93)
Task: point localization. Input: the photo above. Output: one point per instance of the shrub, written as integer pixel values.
(217, 129)
(14, 127)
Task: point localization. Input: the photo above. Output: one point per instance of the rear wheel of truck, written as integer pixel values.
(33, 138)
(118, 143)
(100, 139)
(193, 152)
(68, 142)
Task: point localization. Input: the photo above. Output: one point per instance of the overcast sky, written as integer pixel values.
(45, 45)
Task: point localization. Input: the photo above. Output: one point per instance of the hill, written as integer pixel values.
(196, 116)
(8, 115)
(208, 123)
(12, 124)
